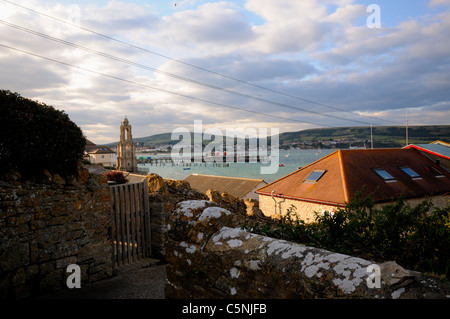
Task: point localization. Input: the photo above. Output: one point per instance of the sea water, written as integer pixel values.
(290, 160)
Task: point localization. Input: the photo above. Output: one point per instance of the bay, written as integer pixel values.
(291, 160)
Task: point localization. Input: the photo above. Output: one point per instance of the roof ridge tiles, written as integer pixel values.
(344, 178)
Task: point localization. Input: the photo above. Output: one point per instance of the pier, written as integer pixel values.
(199, 159)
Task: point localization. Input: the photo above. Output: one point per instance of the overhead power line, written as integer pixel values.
(198, 67)
(106, 55)
(156, 88)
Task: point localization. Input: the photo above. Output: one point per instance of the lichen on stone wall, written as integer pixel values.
(209, 257)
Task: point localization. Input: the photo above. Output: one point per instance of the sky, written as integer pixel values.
(290, 65)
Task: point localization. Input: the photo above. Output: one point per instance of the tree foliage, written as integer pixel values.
(36, 136)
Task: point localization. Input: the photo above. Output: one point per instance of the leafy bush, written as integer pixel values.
(116, 176)
(416, 237)
(37, 137)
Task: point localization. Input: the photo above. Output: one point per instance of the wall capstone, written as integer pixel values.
(208, 257)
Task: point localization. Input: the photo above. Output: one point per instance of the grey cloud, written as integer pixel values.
(115, 25)
(270, 69)
(211, 23)
(25, 75)
(358, 70)
(118, 17)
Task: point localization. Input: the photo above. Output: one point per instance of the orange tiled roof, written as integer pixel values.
(347, 171)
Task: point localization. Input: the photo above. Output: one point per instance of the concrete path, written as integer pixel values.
(131, 283)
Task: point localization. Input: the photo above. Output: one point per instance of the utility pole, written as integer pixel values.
(371, 136)
(406, 126)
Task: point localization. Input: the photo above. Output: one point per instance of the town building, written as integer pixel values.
(100, 154)
(438, 151)
(126, 149)
(332, 181)
(243, 188)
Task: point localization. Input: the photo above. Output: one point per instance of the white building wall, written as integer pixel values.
(276, 207)
(105, 159)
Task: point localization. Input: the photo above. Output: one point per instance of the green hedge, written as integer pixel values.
(37, 137)
(411, 236)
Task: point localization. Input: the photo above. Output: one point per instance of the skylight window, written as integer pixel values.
(314, 176)
(433, 171)
(383, 174)
(410, 172)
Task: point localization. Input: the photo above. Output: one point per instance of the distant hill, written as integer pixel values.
(383, 136)
(158, 139)
(164, 138)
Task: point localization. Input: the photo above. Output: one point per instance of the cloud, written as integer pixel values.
(310, 49)
(289, 25)
(346, 15)
(31, 79)
(118, 17)
(213, 27)
(270, 69)
(439, 2)
(408, 64)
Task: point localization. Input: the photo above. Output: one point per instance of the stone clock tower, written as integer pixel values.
(126, 149)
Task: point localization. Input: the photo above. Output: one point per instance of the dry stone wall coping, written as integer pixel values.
(209, 257)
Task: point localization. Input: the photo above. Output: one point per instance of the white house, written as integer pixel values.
(99, 154)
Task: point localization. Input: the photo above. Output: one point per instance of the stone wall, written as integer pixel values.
(208, 257)
(49, 223)
(276, 207)
(164, 194)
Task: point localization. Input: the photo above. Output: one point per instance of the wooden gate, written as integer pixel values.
(130, 223)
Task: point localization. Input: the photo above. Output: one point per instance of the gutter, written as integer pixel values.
(272, 194)
(274, 202)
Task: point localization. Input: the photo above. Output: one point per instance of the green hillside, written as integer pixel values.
(158, 139)
(164, 138)
(387, 136)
